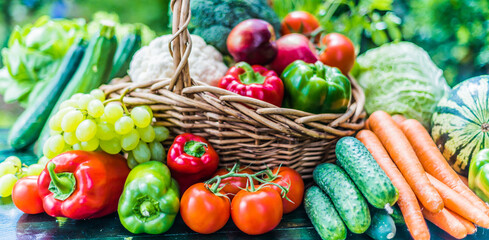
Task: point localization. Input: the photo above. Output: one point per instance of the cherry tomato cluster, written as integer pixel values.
(255, 204)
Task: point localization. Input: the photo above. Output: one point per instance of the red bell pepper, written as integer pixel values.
(81, 185)
(191, 159)
(254, 81)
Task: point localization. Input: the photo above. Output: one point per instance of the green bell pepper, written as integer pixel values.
(150, 200)
(315, 88)
(479, 175)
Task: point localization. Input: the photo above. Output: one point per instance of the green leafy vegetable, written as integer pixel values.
(400, 78)
(34, 53)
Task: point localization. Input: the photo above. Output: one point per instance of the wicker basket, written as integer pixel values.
(259, 134)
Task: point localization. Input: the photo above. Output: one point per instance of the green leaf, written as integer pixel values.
(483, 56)
(35, 51)
(17, 90)
(379, 37)
(381, 5)
(393, 26)
(5, 80)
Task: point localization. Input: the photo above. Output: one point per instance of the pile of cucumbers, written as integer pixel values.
(356, 195)
(84, 67)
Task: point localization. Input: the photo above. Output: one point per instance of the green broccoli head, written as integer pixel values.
(213, 20)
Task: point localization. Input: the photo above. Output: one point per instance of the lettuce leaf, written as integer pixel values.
(34, 53)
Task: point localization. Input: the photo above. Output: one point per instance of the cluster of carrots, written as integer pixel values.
(428, 187)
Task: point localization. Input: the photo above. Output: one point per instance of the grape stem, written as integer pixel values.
(120, 99)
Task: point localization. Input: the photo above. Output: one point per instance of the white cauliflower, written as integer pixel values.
(154, 62)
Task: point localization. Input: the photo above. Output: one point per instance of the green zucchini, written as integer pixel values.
(93, 71)
(323, 215)
(348, 201)
(382, 227)
(397, 215)
(28, 126)
(129, 45)
(366, 173)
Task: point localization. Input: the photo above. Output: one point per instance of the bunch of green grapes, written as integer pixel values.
(11, 170)
(84, 122)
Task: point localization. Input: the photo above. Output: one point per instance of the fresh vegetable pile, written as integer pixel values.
(100, 155)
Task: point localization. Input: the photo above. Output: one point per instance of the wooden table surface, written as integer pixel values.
(16, 225)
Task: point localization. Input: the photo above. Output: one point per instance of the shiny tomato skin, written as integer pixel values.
(232, 185)
(26, 197)
(257, 212)
(203, 211)
(338, 52)
(288, 176)
(299, 22)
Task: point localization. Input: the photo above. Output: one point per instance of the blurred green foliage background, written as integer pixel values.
(153, 13)
(454, 32)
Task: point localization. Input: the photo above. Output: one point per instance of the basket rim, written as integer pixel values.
(142, 93)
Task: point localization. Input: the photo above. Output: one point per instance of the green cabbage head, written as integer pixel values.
(400, 78)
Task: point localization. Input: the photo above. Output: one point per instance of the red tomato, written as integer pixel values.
(289, 177)
(299, 22)
(202, 210)
(26, 197)
(338, 52)
(232, 185)
(257, 212)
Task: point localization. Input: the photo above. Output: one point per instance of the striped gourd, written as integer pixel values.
(460, 123)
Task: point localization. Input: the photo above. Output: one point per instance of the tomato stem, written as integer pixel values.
(216, 181)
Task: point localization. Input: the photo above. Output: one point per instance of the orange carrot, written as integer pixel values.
(470, 227)
(366, 124)
(464, 180)
(446, 221)
(398, 119)
(407, 200)
(459, 204)
(406, 160)
(435, 164)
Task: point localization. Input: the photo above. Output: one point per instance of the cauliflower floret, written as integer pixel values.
(155, 62)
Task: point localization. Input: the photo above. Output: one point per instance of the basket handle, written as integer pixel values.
(180, 46)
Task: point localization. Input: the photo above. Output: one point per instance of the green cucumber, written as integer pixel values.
(382, 227)
(397, 215)
(366, 173)
(93, 71)
(323, 215)
(28, 126)
(129, 45)
(348, 201)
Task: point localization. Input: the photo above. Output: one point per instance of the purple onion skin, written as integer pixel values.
(253, 41)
